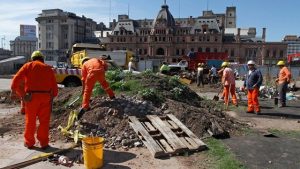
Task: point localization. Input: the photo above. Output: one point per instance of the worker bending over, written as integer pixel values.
(93, 70)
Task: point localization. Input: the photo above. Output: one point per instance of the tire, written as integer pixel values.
(72, 81)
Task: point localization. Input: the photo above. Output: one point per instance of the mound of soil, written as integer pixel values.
(109, 118)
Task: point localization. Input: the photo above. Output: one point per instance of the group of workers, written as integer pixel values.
(35, 84)
(252, 83)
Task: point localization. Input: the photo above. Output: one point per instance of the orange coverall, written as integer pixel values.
(92, 71)
(40, 82)
(228, 81)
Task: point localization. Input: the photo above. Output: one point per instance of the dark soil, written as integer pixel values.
(109, 118)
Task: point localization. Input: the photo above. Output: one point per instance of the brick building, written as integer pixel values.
(168, 38)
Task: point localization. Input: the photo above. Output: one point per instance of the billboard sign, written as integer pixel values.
(28, 30)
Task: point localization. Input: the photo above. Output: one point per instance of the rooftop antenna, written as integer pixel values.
(207, 5)
(179, 8)
(128, 10)
(109, 10)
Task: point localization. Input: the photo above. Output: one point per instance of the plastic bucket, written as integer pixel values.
(93, 152)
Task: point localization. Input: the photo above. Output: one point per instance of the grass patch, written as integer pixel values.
(223, 158)
(292, 134)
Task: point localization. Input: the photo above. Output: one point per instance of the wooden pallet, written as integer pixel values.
(165, 136)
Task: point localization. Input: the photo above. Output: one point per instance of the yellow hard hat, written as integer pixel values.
(131, 59)
(224, 64)
(37, 54)
(280, 63)
(84, 59)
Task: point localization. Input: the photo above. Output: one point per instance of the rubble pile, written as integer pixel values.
(158, 95)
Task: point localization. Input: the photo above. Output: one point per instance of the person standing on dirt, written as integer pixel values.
(92, 71)
(252, 83)
(164, 69)
(284, 78)
(213, 72)
(200, 76)
(39, 89)
(228, 81)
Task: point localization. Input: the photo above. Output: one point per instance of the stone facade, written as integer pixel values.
(59, 30)
(23, 46)
(169, 38)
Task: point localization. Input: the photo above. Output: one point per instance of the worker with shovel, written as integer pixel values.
(93, 70)
(252, 83)
(40, 87)
(228, 81)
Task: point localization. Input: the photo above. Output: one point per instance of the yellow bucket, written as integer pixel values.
(93, 152)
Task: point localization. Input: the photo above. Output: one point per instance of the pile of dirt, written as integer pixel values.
(159, 95)
(109, 118)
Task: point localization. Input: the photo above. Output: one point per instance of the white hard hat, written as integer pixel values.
(251, 62)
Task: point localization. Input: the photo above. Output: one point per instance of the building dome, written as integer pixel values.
(164, 18)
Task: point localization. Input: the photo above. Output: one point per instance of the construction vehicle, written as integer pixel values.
(189, 63)
(70, 76)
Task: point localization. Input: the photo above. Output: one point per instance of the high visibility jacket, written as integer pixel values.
(284, 75)
(37, 77)
(93, 64)
(228, 77)
(164, 68)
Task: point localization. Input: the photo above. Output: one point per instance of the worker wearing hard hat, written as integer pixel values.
(284, 78)
(39, 89)
(252, 83)
(164, 69)
(228, 81)
(200, 75)
(93, 70)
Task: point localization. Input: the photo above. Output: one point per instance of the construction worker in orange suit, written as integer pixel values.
(40, 87)
(92, 70)
(284, 78)
(228, 81)
(252, 83)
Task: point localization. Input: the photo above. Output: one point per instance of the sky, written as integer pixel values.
(280, 17)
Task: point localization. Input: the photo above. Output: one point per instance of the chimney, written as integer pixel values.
(238, 36)
(264, 34)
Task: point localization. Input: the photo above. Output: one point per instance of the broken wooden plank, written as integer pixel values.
(187, 131)
(166, 146)
(171, 137)
(150, 143)
(149, 126)
(173, 124)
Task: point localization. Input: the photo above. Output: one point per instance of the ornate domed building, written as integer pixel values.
(168, 38)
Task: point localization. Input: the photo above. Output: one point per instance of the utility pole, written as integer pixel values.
(3, 42)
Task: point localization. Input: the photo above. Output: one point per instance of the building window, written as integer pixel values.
(145, 51)
(207, 50)
(145, 39)
(177, 51)
(230, 23)
(232, 53)
(199, 49)
(182, 51)
(215, 50)
(274, 53)
(281, 53)
(268, 53)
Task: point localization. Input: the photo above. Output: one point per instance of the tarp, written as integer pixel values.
(293, 57)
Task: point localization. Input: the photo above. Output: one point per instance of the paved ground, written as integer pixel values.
(259, 152)
(5, 84)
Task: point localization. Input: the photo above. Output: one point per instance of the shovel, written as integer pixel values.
(73, 102)
(216, 97)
